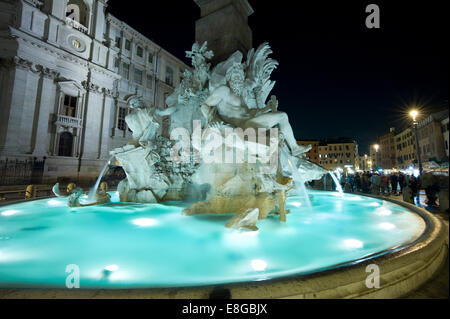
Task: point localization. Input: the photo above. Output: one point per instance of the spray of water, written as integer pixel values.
(336, 181)
(93, 191)
(299, 184)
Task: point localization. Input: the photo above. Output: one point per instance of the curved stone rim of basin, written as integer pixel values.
(402, 268)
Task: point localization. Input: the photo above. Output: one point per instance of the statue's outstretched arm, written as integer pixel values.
(208, 108)
(165, 112)
(271, 105)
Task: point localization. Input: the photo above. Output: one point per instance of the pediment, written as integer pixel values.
(70, 86)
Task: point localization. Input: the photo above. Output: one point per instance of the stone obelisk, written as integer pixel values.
(224, 24)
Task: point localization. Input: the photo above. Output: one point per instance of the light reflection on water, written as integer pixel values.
(153, 245)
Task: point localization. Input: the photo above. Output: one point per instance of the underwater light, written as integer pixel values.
(387, 226)
(54, 202)
(144, 222)
(112, 268)
(259, 265)
(9, 212)
(384, 212)
(353, 243)
(296, 204)
(354, 198)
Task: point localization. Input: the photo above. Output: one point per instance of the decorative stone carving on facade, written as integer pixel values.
(48, 49)
(47, 72)
(92, 87)
(22, 63)
(110, 93)
(36, 3)
(29, 66)
(89, 86)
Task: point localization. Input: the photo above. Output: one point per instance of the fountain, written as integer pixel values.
(230, 159)
(171, 167)
(336, 182)
(93, 191)
(300, 185)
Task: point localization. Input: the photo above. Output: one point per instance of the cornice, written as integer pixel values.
(29, 66)
(61, 54)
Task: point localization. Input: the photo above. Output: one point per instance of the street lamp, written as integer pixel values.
(414, 114)
(377, 147)
(376, 161)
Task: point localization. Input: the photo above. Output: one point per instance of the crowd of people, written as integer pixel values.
(395, 183)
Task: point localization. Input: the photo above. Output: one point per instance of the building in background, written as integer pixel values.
(431, 138)
(387, 150)
(338, 153)
(313, 154)
(66, 68)
(364, 163)
(137, 60)
(405, 149)
(375, 156)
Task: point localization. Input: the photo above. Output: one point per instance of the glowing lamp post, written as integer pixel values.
(376, 147)
(414, 114)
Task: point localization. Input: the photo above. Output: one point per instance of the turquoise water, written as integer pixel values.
(153, 245)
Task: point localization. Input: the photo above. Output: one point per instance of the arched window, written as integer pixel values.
(77, 10)
(65, 144)
(73, 12)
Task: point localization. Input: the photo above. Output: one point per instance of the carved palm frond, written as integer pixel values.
(259, 67)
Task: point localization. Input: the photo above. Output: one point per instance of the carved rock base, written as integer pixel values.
(265, 202)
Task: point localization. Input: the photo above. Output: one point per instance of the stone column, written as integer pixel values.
(108, 108)
(91, 138)
(28, 112)
(12, 111)
(224, 24)
(41, 136)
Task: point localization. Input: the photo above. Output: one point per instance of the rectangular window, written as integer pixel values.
(117, 39)
(138, 76)
(69, 105)
(125, 70)
(150, 57)
(140, 52)
(149, 82)
(127, 45)
(121, 124)
(169, 76)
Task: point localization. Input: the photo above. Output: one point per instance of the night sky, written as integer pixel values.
(336, 77)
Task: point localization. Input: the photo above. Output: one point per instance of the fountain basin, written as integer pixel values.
(154, 246)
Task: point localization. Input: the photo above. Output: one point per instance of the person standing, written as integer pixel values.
(385, 184)
(414, 185)
(375, 184)
(401, 181)
(358, 182)
(394, 181)
(429, 184)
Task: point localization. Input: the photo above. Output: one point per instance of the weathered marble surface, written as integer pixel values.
(232, 95)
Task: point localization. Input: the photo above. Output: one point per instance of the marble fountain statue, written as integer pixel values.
(255, 159)
(228, 151)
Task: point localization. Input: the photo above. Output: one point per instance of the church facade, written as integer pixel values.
(66, 70)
